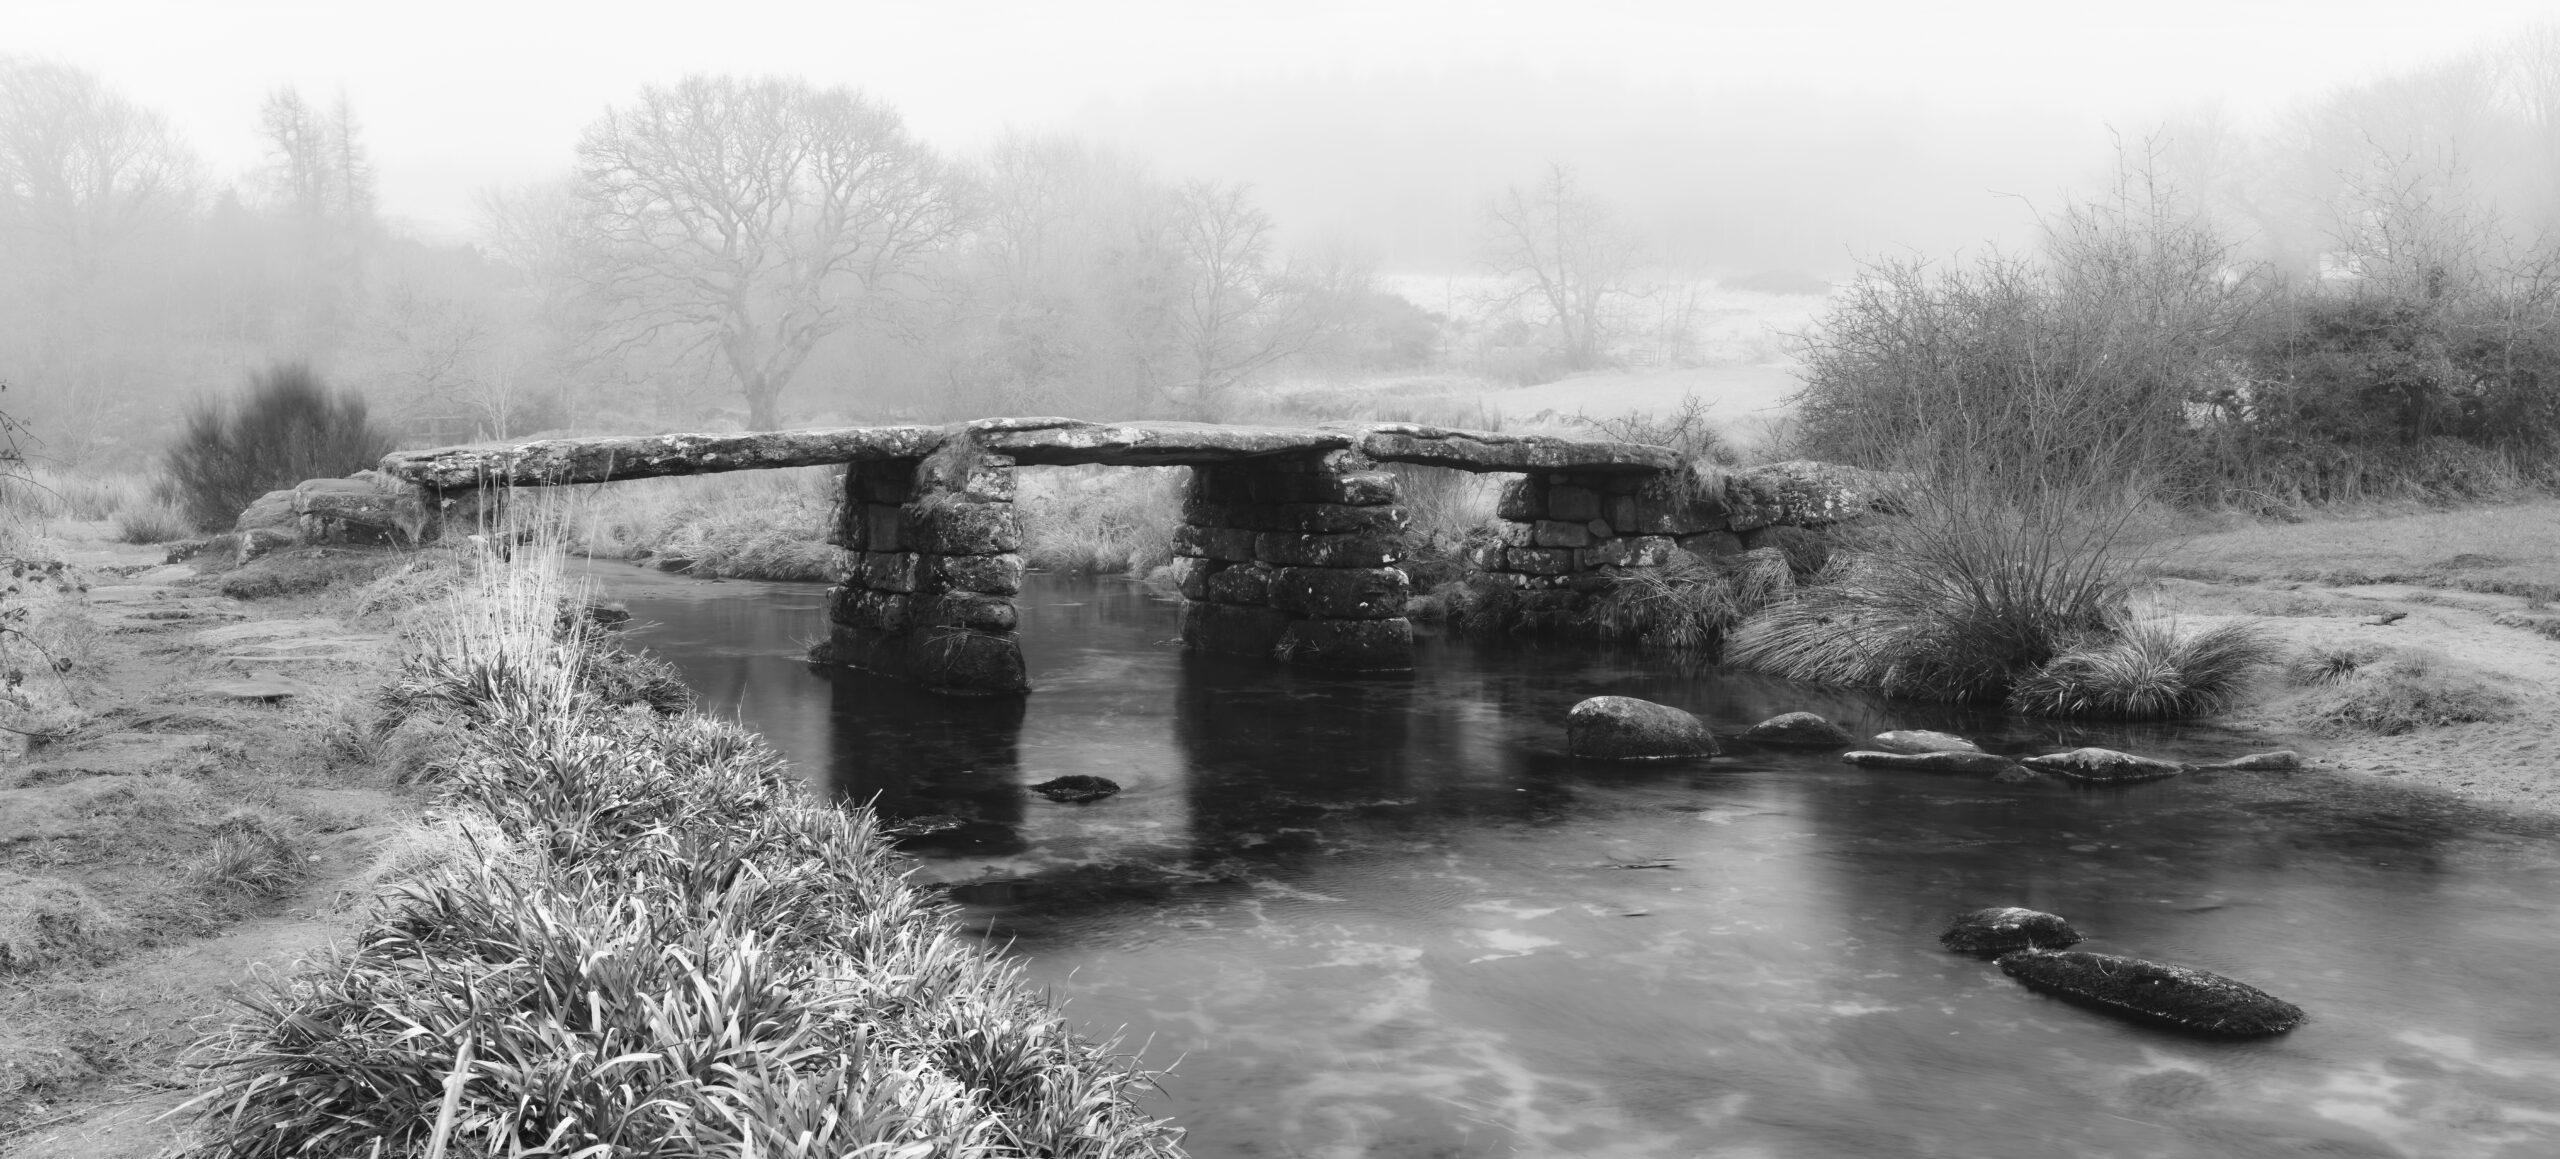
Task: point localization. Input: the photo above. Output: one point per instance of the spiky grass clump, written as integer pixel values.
(675, 953)
(151, 522)
(2149, 670)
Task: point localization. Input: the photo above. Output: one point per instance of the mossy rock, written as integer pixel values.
(1624, 728)
(1799, 730)
(2001, 929)
(2178, 997)
(2099, 766)
(1076, 789)
(1949, 761)
(1921, 740)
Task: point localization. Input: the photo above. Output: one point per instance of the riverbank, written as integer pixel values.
(737, 966)
(2398, 624)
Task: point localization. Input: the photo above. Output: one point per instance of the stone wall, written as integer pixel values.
(933, 564)
(1294, 557)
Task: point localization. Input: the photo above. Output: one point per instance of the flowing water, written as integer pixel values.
(1388, 916)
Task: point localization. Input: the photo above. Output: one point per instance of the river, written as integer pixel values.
(1387, 916)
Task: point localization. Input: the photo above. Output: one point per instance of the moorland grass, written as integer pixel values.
(2384, 691)
(670, 951)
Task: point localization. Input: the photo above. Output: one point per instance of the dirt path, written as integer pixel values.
(215, 818)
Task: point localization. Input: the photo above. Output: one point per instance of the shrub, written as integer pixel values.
(1692, 603)
(2148, 670)
(288, 427)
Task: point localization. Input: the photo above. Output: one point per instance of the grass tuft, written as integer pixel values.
(2148, 671)
(2391, 692)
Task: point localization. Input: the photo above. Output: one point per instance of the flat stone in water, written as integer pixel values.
(2179, 997)
(1921, 740)
(2102, 766)
(1076, 789)
(1803, 729)
(1989, 933)
(1943, 761)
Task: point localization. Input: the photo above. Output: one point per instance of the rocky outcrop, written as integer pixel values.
(2180, 997)
(1920, 740)
(273, 511)
(1943, 761)
(1799, 730)
(2102, 766)
(1989, 933)
(1625, 728)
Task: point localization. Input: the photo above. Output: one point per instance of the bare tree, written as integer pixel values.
(1238, 314)
(1565, 253)
(82, 171)
(750, 220)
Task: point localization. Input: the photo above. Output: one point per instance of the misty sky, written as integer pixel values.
(1741, 136)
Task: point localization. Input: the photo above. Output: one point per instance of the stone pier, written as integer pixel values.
(1294, 557)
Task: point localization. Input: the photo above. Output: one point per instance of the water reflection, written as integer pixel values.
(1389, 917)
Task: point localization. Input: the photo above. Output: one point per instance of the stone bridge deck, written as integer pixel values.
(1291, 536)
(1031, 442)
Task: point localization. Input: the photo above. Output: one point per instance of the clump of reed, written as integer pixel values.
(674, 952)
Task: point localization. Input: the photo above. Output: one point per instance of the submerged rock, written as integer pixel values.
(1921, 740)
(2180, 997)
(1950, 761)
(2282, 760)
(1989, 933)
(2102, 766)
(1799, 728)
(1625, 728)
(1076, 789)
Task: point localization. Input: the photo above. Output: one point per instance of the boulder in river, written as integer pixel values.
(1950, 761)
(1625, 728)
(2001, 929)
(1076, 788)
(2280, 761)
(1921, 740)
(1799, 729)
(2180, 997)
(2102, 766)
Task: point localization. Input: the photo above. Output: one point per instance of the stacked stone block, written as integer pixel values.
(933, 565)
(1294, 557)
(1564, 536)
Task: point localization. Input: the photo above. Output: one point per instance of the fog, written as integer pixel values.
(411, 202)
